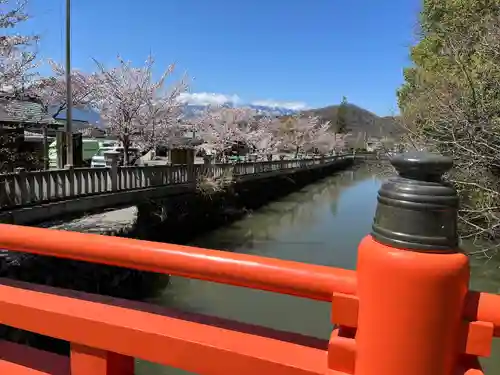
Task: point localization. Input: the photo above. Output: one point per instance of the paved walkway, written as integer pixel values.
(108, 222)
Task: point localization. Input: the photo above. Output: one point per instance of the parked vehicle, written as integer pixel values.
(90, 147)
(99, 160)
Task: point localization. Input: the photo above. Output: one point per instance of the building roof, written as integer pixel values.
(183, 142)
(23, 109)
(35, 137)
(92, 131)
(76, 124)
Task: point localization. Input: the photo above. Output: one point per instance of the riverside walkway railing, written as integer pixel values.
(405, 310)
(29, 188)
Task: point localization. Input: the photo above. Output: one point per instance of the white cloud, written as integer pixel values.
(294, 106)
(207, 98)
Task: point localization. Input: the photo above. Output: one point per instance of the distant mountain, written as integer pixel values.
(359, 121)
(90, 116)
(191, 109)
(276, 111)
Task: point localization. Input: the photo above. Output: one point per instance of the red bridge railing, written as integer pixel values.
(406, 310)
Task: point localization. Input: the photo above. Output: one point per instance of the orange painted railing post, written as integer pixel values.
(412, 279)
(85, 360)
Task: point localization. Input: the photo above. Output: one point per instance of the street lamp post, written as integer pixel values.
(69, 99)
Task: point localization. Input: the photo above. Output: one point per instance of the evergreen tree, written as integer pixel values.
(450, 102)
(341, 123)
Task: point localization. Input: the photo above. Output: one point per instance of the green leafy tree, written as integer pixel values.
(450, 103)
(341, 122)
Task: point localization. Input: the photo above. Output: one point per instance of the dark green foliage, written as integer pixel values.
(13, 153)
(450, 103)
(342, 116)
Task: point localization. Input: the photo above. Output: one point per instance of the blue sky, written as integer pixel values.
(299, 52)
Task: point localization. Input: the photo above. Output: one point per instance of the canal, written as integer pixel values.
(322, 224)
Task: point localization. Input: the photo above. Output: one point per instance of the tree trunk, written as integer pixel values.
(126, 147)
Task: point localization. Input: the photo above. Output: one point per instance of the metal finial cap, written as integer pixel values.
(416, 210)
(421, 165)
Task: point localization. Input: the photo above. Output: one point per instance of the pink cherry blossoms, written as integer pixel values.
(263, 135)
(17, 57)
(135, 107)
(51, 91)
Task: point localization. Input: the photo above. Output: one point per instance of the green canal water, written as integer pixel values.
(321, 224)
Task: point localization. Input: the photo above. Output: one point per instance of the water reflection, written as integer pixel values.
(321, 224)
(335, 212)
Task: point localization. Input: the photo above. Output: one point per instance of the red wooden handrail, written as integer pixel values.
(130, 329)
(105, 336)
(280, 276)
(274, 275)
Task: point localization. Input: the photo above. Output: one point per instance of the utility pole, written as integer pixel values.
(69, 97)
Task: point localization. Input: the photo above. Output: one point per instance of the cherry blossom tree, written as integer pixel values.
(265, 137)
(17, 53)
(324, 140)
(300, 134)
(17, 60)
(50, 94)
(341, 141)
(51, 90)
(222, 128)
(137, 108)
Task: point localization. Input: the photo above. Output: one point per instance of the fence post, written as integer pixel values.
(86, 361)
(71, 180)
(111, 158)
(412, 278)
(23, 186)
